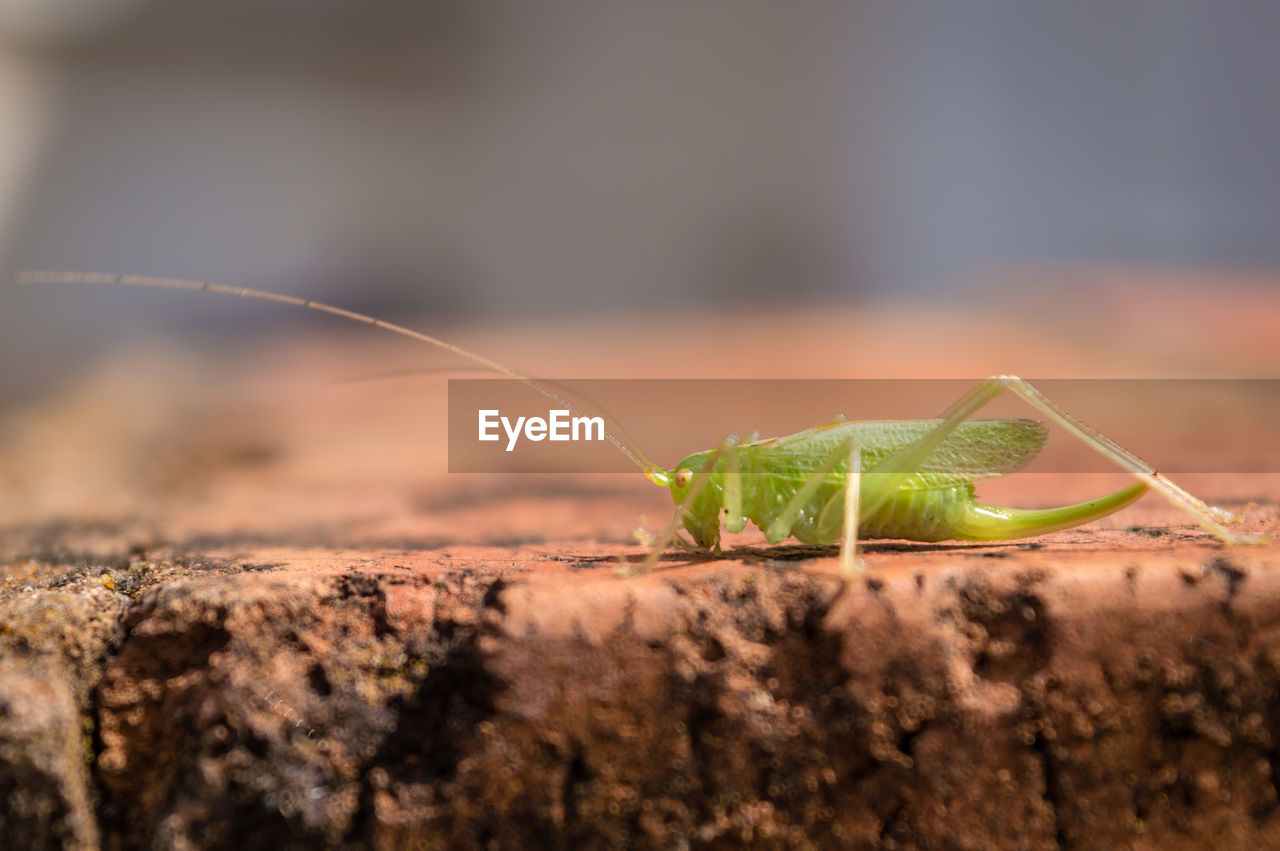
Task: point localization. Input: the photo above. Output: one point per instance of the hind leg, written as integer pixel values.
(1210, 517)
(895, 467)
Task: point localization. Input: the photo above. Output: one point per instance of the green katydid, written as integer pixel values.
(904, 479)
(841, 481)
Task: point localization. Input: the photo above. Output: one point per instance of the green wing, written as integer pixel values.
(977, 449)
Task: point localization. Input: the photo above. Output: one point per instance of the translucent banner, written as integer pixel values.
(1177, 425)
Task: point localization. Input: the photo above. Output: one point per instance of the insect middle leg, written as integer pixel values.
(850, 565)
(780, 528)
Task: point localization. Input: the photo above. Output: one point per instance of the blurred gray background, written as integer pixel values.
(503, 159)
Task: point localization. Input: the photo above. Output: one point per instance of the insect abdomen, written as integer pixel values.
(925, 514)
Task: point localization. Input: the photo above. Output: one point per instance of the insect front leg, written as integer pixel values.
(696, 484)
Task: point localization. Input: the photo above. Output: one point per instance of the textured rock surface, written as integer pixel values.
(44, 780)
(406, 701)
(259, 617)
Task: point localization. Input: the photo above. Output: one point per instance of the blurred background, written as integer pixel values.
(504, 160)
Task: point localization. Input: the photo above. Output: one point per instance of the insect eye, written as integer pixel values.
(683, 476)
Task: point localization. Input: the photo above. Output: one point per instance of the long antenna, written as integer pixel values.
(30, 276)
